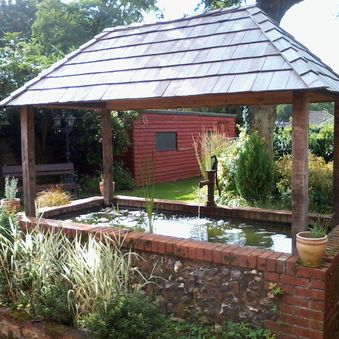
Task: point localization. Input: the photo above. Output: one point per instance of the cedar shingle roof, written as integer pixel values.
(226, 51)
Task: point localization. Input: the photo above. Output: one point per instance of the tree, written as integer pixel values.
(20, 61)
(217, 4)
(17, 16)
(276, 9)
(64, 26)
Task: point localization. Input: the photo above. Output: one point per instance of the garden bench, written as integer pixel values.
(63, 173)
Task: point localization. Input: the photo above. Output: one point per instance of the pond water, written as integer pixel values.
(234, 232)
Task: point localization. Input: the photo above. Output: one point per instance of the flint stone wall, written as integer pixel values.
(208, 293)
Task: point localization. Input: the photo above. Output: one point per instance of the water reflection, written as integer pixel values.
(276, 237)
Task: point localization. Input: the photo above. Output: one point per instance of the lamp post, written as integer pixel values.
(64, 122)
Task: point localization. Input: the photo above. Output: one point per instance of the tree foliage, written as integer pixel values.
(20, 60)
(217, 4)
(276, 9)
(320, 141)
(64, 26)
(17, 16)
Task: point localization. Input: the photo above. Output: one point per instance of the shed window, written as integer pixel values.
(166, 141)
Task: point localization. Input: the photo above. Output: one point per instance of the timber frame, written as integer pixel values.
(299, 98)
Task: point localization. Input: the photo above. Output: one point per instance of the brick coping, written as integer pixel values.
(238, 256)
(250, 213)
(218, 253)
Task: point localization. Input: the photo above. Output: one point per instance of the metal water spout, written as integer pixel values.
(210, 187)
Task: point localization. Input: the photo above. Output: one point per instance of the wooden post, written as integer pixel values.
(300, 125)
(335, 203)
(28, 159)
(107, 154)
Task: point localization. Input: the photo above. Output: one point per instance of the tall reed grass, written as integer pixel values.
(91, 271)
(208, 143)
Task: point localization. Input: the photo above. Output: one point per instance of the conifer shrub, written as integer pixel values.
(255, 173)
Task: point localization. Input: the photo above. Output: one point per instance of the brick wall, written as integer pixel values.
(308, 307)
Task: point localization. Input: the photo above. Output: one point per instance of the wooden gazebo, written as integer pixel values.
(227, 57)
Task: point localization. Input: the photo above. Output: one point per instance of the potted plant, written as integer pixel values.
(101, 184)
(311, 245)
(11, 202)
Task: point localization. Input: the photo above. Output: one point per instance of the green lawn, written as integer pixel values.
(183, 190)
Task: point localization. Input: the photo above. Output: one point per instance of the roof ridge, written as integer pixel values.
(296, 43)
(272, 42)
(183, 18)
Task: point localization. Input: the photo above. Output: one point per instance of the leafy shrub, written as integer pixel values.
(122, 177)
(89, 185)
(52, 303)
(242, 330)
(227, 170)
(320, 141)
(6, 216)
(320, 191)
(228, 167)
(320, 182)
(55, 196)
(255, 170)
(135, 317)
(86, 139)
(282, 142)
(126, 317)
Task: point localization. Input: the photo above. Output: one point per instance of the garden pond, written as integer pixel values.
(234, 232)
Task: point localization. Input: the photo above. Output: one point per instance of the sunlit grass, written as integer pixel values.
(182, 190)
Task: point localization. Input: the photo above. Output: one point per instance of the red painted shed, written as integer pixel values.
(163, 141)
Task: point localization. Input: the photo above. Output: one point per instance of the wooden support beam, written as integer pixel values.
(300, 125)
(107, 154)
(335, 203)
(28, 159)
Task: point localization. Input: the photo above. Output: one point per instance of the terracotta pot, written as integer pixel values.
(311, 250)
(11, 205)
(101, 187)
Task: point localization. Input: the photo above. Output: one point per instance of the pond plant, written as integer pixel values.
(148, 190)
